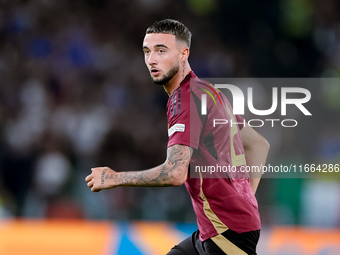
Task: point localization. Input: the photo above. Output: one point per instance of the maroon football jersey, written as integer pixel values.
(221, 199)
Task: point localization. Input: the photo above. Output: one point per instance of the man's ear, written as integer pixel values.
(184, 54)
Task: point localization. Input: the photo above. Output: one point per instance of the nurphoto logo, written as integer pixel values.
(239, 104)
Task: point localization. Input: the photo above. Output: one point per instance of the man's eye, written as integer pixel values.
(161, 51)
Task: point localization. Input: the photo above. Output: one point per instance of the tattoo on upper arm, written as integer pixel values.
(175, 167)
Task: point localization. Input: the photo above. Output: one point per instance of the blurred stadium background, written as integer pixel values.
(75, 93)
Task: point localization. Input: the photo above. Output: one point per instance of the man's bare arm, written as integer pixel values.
(256, 148)
(173, 172)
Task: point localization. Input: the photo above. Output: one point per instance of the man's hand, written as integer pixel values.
(101, 178)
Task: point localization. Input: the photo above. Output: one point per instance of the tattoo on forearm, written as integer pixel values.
(174, 168)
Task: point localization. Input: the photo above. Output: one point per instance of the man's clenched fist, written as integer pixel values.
(101, 178)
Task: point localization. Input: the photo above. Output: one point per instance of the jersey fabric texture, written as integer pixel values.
(222, 200)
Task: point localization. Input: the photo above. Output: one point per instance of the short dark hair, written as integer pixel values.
(171, 26)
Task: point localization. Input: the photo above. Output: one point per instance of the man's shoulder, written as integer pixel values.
(193, 84)
(199, 86)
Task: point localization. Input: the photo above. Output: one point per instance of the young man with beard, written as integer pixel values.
(225, 206)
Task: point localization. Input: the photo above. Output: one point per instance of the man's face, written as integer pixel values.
(161, 55)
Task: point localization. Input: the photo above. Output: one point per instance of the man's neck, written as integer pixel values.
(175, 82)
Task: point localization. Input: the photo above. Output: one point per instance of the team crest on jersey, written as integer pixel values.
(176, 128)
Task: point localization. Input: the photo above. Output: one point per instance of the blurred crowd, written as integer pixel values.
(75, 93)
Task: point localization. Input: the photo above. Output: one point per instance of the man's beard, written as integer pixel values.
(167, 77)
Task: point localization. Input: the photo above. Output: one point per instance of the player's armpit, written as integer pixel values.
(256, 149)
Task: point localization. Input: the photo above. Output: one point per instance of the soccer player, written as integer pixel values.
(225, 206)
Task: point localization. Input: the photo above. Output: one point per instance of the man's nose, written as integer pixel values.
(151, 60)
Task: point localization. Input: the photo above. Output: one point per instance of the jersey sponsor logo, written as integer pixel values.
(176, 128)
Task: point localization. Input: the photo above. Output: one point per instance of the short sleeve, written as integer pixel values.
(185, 127)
